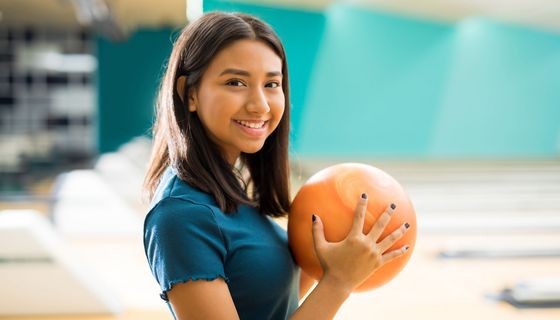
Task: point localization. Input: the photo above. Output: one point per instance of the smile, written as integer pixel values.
(252, 124)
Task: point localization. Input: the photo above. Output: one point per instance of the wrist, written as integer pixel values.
(336, 285)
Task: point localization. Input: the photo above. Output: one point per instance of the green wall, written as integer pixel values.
(368, 83)
(127, 79)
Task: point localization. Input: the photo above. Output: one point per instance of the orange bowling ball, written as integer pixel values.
(333, 194)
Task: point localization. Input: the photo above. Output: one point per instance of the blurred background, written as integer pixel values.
(459, 100)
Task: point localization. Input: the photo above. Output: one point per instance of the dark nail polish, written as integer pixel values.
(393, 206)
(313, 218)
(406, 225)
(364, 196)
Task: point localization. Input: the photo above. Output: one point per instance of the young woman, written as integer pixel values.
(219, 172)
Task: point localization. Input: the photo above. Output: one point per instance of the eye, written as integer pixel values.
(235, 83)
(273, 84)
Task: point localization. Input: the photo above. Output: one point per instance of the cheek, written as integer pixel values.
(215, 111)
(277, 107)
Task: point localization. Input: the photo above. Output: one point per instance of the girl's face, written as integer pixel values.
(240, 100)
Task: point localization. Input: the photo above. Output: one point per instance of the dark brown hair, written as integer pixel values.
(180, 140)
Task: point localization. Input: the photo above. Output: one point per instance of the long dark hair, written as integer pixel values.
(180, 140)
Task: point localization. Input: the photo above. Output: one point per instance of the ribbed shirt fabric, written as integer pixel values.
(187, 237)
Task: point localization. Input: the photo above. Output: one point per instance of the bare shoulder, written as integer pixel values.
(199, 300)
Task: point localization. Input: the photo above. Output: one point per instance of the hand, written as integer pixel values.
(352, 260)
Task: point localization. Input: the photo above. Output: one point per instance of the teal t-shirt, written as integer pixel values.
(187, 237)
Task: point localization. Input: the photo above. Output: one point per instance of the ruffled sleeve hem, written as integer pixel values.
(170, 284)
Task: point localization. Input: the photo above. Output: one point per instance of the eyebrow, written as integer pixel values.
(247, 74)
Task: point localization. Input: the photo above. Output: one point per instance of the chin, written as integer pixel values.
(252, 149)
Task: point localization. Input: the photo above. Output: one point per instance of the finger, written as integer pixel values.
(318, 232)
(392, 255)
(381, 222)
(359, 215)
(391, 239)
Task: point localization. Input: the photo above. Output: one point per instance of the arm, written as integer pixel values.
(323, 302)
(305, 283)
(202, 300)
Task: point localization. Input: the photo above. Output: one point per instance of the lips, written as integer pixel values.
(254, 128)
(253, 124)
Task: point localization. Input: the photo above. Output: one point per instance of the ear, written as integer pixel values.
(193, 101)
(181, 82)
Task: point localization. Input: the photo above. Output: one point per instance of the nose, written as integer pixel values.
(257, 102)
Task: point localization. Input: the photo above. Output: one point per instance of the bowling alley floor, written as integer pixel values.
(482, 227)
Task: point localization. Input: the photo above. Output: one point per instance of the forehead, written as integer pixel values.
(250, 55)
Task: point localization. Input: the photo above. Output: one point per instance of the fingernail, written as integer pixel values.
(406, 225)
(393, 206)
(313, 218)
(364, 196)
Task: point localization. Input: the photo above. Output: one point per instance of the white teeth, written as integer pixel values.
(254, 125)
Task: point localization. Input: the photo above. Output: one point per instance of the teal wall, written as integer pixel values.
(389, 86)
(127, 80)
(368, 83)
(502, 95)
(376, 85)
